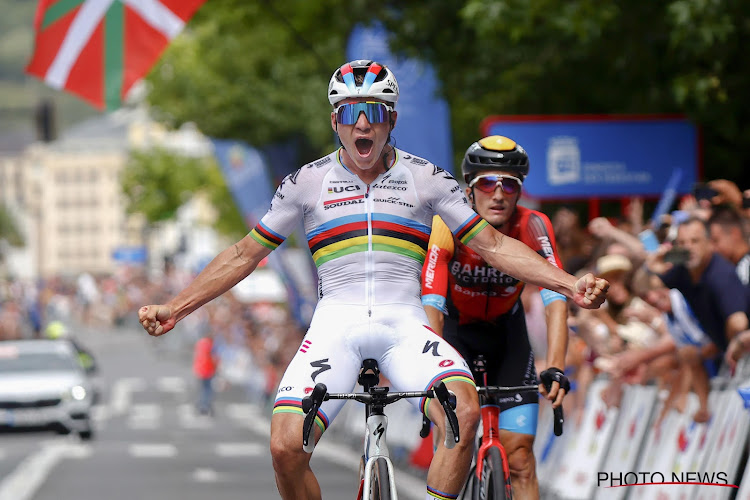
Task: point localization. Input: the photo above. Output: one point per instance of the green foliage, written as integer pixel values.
(256, 71)
(9, 228)
(589, 56)
(16, 38)
(157, 182)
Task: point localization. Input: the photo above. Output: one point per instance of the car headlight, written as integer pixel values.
(76, 393)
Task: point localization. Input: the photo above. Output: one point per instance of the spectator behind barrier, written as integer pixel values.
(708, 282)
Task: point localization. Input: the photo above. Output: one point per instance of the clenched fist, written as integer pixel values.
(590, 291)
(157, 319)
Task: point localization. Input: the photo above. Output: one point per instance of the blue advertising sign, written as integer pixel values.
(130, 254)
(424, 124)
(602, 156)
(249, 181)
(246, 176)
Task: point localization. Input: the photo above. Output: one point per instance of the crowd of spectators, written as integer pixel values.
(676, 318)
(676, 313)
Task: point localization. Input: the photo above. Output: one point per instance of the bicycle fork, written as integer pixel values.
(490, 438)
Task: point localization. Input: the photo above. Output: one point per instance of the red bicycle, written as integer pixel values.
(490, 475)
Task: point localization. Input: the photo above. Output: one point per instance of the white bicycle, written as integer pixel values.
(377, 481)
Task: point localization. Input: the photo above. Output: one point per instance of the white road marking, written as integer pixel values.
(145, 416)
(189, 419)
(172, 384)
(242, 411)
(25, 480)
(205, 475)
(240, 449)
(122, 394)
(152, 450)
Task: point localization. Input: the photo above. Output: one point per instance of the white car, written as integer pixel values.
(43, 384)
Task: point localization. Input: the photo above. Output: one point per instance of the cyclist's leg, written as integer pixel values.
(518, 414)
(323, 357)
(418, 359)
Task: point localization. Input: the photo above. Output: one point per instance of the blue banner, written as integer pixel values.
(130, 255)
(424, 126)
(584, 157)
(247, 176)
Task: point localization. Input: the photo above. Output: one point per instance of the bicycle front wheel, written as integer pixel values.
(380, 484)
(494, 480)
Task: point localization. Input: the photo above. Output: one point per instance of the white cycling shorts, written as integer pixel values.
(410, 355)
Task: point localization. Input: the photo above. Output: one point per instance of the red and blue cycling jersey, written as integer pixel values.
(456, 280)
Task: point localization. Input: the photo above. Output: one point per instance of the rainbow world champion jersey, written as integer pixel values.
(368, 241)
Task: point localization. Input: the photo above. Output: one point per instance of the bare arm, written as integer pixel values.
(227, 269)
(602, 228)
(736, 322)
(436, 318)
(515, 258)
(556, 314)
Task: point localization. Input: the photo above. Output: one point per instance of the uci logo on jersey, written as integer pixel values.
(341, 189)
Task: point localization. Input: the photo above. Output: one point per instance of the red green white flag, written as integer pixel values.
(97, 49)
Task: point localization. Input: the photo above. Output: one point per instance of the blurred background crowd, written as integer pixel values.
(639, 336)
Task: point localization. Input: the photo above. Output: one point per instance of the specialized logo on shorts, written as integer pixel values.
(308, 390)
(445, 363)
(322, 365)
(431, 345)
(305, 345)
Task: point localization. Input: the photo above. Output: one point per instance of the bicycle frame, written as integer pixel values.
(376, 446)
(375, 400)
(490, 414)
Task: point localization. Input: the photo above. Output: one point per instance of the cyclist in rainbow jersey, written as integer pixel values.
(367, 209)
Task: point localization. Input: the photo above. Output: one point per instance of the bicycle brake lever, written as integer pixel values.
(559, 419)
(311, 405)
(426, 425)
(448, 401)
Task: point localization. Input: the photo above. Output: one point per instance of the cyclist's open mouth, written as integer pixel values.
(364, 146)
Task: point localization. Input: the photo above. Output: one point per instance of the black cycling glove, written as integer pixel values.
(553, 374)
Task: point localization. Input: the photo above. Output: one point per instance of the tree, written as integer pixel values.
(589, 56)
(257, 71)
(157, 182)
(9, 231)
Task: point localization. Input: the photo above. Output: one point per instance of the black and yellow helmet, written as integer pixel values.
(495, 152)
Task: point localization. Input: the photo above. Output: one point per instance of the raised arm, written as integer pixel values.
(227, 269)
(515, 258)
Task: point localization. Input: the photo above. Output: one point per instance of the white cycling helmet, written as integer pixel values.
(363, 78)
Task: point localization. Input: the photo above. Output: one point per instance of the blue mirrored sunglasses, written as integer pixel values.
(375, 112)
(489, 182)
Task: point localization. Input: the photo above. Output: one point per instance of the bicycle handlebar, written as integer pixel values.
(377, 395)
(558, 416)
